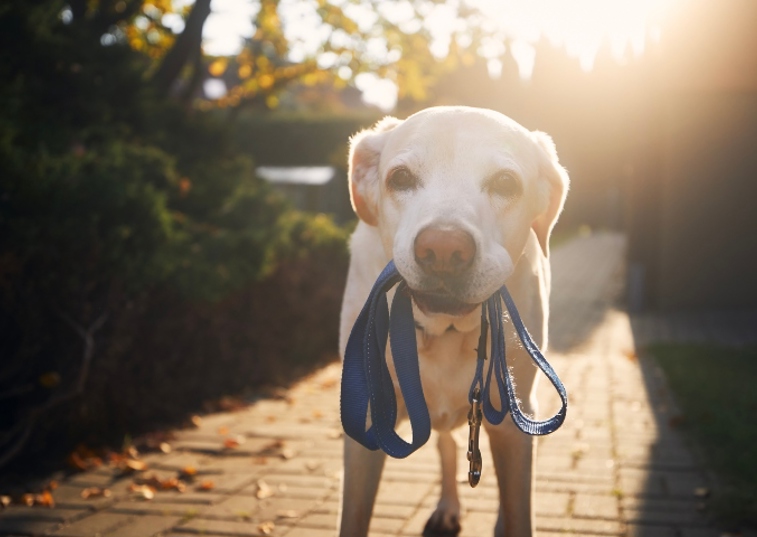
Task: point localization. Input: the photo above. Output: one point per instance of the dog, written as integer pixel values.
(464, 200)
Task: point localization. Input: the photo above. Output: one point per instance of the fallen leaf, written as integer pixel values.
(173, 483)
(188, 471)
(45, 499)
(165, 447)
(206, 485)
(27, 499)
(129, 466)
(312, 465)
(233, 442)
(287, 453)
(223, 430)
(266, 527)
(95, 492)
(5, 501)
(196, 421)
(264, 491)
(142, 492)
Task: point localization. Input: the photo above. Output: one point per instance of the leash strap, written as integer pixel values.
(498, 368)
(367, 384)
(365, 375)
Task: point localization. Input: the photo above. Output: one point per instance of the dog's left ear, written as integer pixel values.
(554, 188)
(365, 153)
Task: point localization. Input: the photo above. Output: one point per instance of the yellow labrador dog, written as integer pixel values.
(464, 200)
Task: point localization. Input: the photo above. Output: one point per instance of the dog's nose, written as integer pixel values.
(444, 251)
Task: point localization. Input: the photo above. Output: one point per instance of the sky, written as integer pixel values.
(578, 26)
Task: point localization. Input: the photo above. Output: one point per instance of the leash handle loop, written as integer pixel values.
(523, 422)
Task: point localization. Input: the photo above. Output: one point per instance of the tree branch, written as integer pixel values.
(20, 433)
(185, 44)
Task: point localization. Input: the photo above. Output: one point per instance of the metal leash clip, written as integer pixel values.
(474, 454)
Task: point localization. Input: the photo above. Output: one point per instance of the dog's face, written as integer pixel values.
(454, 193)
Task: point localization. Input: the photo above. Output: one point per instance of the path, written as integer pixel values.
(617, 467)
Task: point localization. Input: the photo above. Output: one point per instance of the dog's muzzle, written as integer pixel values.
(445, 254)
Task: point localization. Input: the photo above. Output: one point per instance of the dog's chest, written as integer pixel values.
(447, 365)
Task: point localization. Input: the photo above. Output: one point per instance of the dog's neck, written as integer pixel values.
(439, 324)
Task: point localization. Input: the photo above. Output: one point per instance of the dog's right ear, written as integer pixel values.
(365, 153)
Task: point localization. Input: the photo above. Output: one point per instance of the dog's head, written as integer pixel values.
(454, 193)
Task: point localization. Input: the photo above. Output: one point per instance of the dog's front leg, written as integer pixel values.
(513, 454)
(445, 520)
(362, 473)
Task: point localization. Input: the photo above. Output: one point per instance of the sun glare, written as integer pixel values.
(580, 27)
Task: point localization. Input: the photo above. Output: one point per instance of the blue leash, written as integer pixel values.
(366, 379)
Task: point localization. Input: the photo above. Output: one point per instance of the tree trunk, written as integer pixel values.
(188, 41)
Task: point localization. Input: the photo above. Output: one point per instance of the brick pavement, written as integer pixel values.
(616, 468)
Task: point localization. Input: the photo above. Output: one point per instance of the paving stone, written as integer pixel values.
(203, 535)
(595, 506)
(318, 520)
(403, 493)
(22, 526)
(582, 526)
(551, 504)
(158, 508)
(55, 514)
(309, 532)
(94, 525)
(635, 530)
(478, 524)
(194, 498)
(381, 524)
(229, 527)
(145, 526)
(700, 532)
(678, 518)
(67, 495)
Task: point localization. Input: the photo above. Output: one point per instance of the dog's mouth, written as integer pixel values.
(441, 302)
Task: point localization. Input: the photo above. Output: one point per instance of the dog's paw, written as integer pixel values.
(445, 521)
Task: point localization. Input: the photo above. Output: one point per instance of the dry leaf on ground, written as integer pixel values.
(264, 491)
(206, 485)
(266, 527)
(142, 492)
(188, 472)
(95, 492)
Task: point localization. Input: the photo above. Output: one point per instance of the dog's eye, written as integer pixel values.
(503, 184)
(402, 179)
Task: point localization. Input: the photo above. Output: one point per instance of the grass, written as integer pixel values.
(716, 388)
